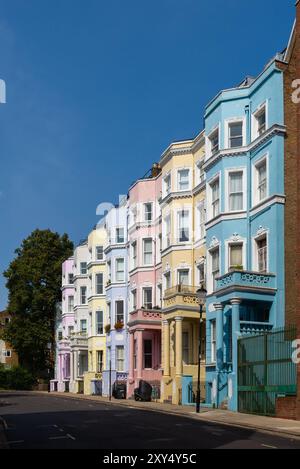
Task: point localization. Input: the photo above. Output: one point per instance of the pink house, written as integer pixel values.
(145, 286)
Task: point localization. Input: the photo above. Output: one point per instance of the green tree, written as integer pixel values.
(34, 282)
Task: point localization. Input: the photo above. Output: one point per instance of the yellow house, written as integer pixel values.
(97, 310)
(183, 268)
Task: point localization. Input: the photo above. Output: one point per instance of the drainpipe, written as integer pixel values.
(249, 184)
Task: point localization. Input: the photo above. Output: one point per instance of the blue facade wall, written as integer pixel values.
(245, 302)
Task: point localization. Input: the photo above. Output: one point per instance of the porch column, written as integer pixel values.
(72, 366)
(139, 334)
(131, 355)
(235, 303)
(220, 335)
(178, 345)
(166, 344)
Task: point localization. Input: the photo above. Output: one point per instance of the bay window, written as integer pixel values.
(235, 130)
(99, 284)
(215, 197)
(215, 265)
(99, 323)
(147, 298)
(235, 256)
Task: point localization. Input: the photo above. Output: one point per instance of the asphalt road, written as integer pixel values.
(46, 421)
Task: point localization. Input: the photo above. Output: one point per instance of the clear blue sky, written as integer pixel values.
(96, 90)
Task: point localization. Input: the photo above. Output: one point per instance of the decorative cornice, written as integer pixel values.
(276, 129)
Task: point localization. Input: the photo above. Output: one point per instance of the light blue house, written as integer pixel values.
(116, 367)
(244, 167)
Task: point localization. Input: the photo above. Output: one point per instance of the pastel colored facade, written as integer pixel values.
(244, 223)
(64, 329)
(8, 357)
(144, 240)
(183, 267)
(116, 365)
(97, 308)
(79, 338)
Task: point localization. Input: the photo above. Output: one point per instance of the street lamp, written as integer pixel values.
(201, 295)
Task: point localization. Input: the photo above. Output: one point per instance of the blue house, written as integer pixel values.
(244, 168)
(116, 367)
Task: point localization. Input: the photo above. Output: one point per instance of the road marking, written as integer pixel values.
(70, 436)
(269, 446)
(57, 437)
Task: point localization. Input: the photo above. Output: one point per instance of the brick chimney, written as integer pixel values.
(156, 170)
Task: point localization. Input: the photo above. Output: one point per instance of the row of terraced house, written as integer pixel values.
(219, 211)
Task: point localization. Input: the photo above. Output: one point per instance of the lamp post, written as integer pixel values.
(201, 294)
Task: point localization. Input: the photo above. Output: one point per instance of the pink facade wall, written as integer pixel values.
(146, 325)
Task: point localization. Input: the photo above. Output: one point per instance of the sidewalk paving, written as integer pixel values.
(288, 428)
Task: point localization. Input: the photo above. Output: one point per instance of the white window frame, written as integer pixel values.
(187, 269)
(209, 276)
(200, 220)
(229, 243)
(244, 185)
(209, 192)
(199, 280)
(116, 315)
(83, 287)
(119, 271)
(134, 254)
(134, 299)
(228, 122)
(264, 234)
(70, 309)
(81, 264)
(144, 252)
(255, 165)
(116, 235)
(167, 238)
(99, 323)
(200, 173)
(213, 340)
(147, 212)
(120, 360)
(254, 122)
(96, 253)
(167, 188)
(143, 290)
(208, 141)
(179, 170)
(96, 283)
(167, 274)
(179, 212)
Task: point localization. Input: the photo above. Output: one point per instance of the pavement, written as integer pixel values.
(57, 420)
(284, 427)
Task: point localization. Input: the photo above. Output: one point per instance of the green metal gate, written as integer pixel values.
(265, 370)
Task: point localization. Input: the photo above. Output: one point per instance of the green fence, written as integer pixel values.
(266, 370)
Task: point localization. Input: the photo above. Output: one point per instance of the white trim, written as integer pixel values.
(275, 199)
(209, 212)
(235, 239)
(180, 268)
(226, 216)
(255, 165)
(184, 168)
(208, 150)
(227, 123)
(261, 233)
(215, 244)
(228, 171)
(254, 127)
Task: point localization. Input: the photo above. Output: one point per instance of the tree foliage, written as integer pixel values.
(34, 284)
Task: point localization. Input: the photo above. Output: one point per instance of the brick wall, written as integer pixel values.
(292, 208)
(286, 407)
